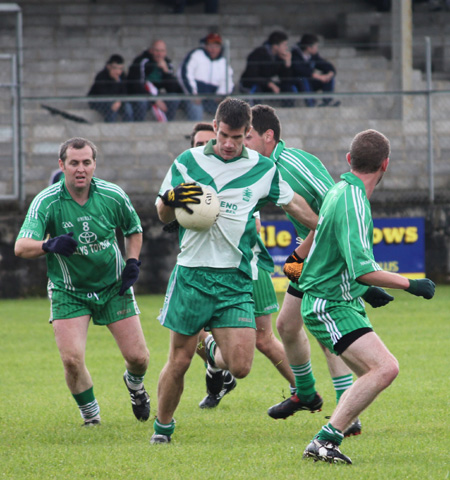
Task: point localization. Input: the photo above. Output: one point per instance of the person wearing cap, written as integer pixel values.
(152, 72)
(313, 73)
(268, 68)
(205, 70)
(111, 81)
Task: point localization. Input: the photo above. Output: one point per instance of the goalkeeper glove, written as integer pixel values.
(64, 245)
(293, 267)
(129, 274)
(423, 287)
(377, 297)
(182, 194)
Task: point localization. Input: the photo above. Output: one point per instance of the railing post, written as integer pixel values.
(429, 122)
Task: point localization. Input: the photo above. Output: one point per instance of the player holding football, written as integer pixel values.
(88, 277)
(211, 285)
(337, 272)
(219, 383)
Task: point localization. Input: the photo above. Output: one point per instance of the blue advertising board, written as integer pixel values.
(398, 246)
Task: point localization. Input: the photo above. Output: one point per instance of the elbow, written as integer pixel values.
(18, 250)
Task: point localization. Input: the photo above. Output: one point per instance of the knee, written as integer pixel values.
(240, 364)
(140, 359)
(73, 362)
(263, 341)
(180, 363)
(394, 369)
(240, 371)
(389, 371)
(287, 327)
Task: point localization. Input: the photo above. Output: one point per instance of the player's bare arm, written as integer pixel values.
(299, 209)
(303, 249)
(63, 244)
(28, 248)
(133, 245)
(165, 213)
(421, 287)
(382, 278)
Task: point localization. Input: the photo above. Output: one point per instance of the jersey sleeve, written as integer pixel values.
(177, 173)
(354, 231)
(129, 221)
(35, 223)
(281, 192)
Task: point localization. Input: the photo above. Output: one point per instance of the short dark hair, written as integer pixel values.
(236, 113)
(264, 118)
(368, 151)
(307, 40)
(77, 143)
(116, 58)
(200, 127)
(277, 37)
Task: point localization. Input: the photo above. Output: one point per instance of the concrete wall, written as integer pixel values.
(19, 277)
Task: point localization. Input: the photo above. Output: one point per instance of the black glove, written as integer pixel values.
(171, 227)
(129, 274)
(181, 195)
(293, 267)
(423, 287)
(64, 244)
(377, 297)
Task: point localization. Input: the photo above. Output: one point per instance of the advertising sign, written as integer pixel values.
(398, 245)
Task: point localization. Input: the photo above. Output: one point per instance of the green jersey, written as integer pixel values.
(97, 262)
(306, 175)
(343, 244)
(243, 185)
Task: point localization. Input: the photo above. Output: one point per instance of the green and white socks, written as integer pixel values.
(163, 428)
(89, 408)
(304, 382)
(133, 381)
(341, 384)
(330, 434)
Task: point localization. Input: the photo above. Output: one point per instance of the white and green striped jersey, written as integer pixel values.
(306, 175)
(243, 185)
(97, 262)
(343, 244)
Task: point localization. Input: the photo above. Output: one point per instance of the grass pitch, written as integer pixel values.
(405, 432)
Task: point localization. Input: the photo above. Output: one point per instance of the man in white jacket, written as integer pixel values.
(205, 70)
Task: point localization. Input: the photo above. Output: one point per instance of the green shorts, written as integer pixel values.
(330, 321)
(104, 306)
(264, 294)
(207, 298)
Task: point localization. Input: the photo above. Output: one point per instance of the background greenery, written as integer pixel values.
(405, 432)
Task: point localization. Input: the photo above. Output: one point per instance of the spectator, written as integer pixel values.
(205, 70)
(268, 67)
(111, 81)
(152, 73)
(312, 72)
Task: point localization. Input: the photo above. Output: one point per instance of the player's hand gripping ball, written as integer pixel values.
(204, 214)
(182, 196)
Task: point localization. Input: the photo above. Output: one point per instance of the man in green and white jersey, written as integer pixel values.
(211, 285)
(337, 273)
(73, 223)
(222, 382)
(307, 176)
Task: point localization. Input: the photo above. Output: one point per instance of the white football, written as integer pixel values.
(205, 213)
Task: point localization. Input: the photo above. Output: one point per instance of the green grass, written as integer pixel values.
(405, 432)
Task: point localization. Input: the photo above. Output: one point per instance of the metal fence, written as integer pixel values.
(137, 154)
